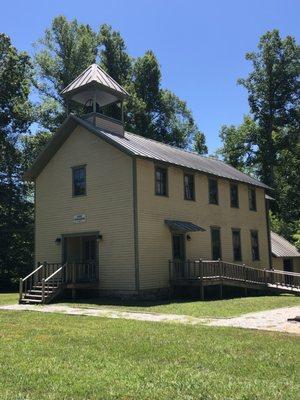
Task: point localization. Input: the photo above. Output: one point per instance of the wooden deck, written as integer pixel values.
(202, 273)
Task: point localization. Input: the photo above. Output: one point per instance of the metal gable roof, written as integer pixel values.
(148, 148)
(135, 145)
(282, 248)
(94, 74)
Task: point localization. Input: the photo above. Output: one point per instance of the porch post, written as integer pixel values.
(20, 289)
(201, 279)
(43, 290)
(73, 281)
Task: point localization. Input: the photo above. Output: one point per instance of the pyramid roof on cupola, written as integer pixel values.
(94, 81)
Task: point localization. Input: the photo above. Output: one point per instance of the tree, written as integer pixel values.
(32, 146)
(268, 142)
(151, 111)
(66, 49)
(199, 143)
(238, 145)
(114, 58)
(273, 95)
(15, 209)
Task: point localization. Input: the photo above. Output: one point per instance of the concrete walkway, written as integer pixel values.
(107, 313)
(271, 320)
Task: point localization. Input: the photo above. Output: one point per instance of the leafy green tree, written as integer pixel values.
(296, 238)
(238, 145)
(199, 143)
(32, 146)
(69, 47)
(267, 143)
(66, 49)
(114, 57)
(15, 209)
(273, 94)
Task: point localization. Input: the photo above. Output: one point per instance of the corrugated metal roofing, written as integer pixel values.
(148, 148)
(282, 248)
(94, 74)
(183, 226)
(139, 146)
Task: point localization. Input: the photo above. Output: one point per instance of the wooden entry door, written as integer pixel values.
(88, 269)
(178, 249)
(89, 254)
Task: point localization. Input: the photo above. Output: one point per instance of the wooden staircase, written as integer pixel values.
(43, 284)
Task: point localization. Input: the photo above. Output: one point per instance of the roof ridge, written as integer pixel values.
(110, 77)
(77, 78)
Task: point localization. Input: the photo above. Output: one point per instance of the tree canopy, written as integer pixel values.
(16, 238)
(69, 47)
(267, 142)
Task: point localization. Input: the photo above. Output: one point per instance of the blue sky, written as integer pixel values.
(199, 44)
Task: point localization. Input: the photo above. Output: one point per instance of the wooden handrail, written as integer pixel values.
(279, 271)
(55, 272)
(32, 273)
(218, 269)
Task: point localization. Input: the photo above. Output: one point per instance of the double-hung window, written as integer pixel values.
(236, 244)
(254, 245)
(252, 199)
(161, 181)
(189, 187)
(234, 195)
(213, 191)
(215, 242)
(79, 180)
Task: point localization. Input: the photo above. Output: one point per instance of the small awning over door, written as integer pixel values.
(183, 226)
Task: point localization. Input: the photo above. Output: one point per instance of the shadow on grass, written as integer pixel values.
(102, 301)
(140, 303)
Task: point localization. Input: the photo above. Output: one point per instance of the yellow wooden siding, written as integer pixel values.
(277, 263)
(108, 206)
(155, 247)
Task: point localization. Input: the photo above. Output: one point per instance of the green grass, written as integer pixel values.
(8, 298)
(52, 356)
(217, 308)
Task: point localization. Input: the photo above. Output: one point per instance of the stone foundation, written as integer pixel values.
(149, 294)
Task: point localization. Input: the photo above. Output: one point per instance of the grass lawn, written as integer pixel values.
(216, 308)
(8, 298)
(52, 356)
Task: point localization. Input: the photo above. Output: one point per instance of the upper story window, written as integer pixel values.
(236, 243)
(189, 187)
(79, 181)
(234, 195)
(161, 181)
(215, 243)
(252, 199)
(254, 245)
(213, 191)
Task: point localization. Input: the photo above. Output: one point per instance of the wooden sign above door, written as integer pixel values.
(79, 218)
